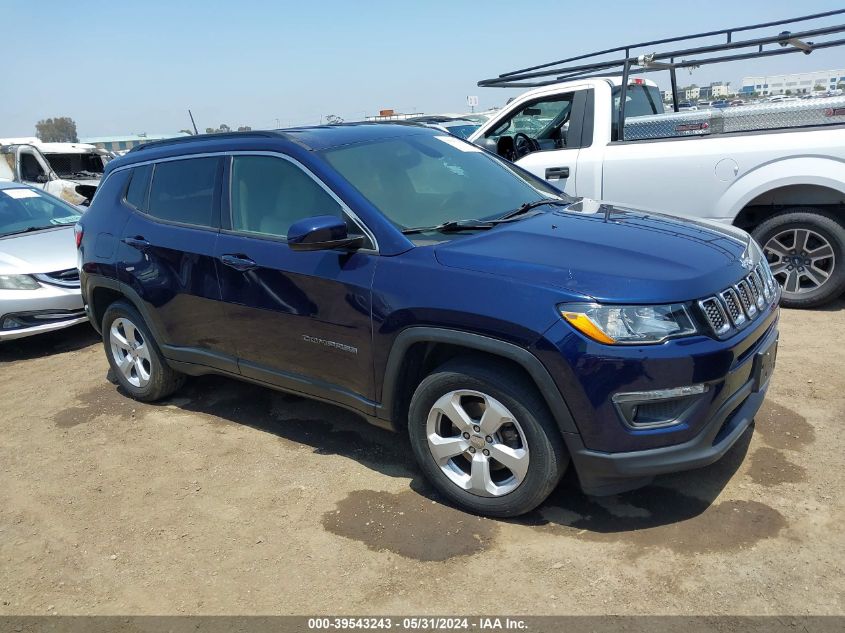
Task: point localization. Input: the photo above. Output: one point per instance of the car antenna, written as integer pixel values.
(196, 132)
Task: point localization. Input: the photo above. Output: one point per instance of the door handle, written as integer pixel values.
(557, 172)
(137, 242)
(238, 262)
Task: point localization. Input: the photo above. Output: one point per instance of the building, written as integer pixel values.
(716, 90)
(117, 143)
(689, 93)
(390, 115)
(796, 83)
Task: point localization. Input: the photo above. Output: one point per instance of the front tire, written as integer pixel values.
(484, 437)
(805, 248)
(134, 356)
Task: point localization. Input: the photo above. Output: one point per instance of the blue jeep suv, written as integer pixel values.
(435, 289)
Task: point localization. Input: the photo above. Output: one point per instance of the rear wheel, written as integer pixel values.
(484, 437)
(805, 248)
(134, 357)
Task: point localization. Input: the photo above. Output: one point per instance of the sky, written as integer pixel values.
(133, 67)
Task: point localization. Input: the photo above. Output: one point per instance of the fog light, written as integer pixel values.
(658, 408)
(11, 323)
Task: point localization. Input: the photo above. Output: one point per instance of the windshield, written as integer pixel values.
(70, 165)
(424, 180)
(23, 209)
(463, 130)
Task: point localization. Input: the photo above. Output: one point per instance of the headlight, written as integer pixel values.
(628, 325)
(18, 282)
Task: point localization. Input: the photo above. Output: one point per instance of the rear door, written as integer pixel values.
(300, 320)
(166, 255)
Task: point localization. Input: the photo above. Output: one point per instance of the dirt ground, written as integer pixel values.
(233, 499)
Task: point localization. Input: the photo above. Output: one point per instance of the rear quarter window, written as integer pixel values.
(183, 191)
(139, 184)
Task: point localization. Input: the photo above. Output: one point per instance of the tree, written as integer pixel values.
(244, 128)
(788, 92)
(333, 119)
(59, 130)
(818, 88)
(840, 85)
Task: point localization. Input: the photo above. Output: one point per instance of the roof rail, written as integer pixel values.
(636, 61)
(205, 137)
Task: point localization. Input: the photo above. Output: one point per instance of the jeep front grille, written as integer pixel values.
(735, 307)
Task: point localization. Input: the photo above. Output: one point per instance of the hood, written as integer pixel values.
(38, 252)
(607, 253)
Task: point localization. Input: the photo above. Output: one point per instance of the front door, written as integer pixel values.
(544, 136)
(300, 320)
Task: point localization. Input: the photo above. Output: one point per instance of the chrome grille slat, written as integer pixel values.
(736, 306)
(756, 285)
(715, 314)
(731, 301)
(743, 289)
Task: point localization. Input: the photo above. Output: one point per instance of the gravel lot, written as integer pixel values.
(232, 499)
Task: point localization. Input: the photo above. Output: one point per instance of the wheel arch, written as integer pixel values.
(801, 181)
(101, 292)
(417, 350)
(101, 297)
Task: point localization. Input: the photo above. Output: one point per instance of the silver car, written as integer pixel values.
(39, 281)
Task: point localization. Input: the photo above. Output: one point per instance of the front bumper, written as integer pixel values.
(9, 335)
(611, 457)
(611, 473)
(45, 309)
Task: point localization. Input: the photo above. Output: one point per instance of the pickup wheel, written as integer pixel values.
(134, 356)
(484, 437)
(805, 248)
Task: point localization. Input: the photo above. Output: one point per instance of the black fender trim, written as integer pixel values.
(525, 359)
(90, 284)
(98, 281)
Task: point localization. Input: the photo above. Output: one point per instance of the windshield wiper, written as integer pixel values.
(528, 206)
(452, 226)
(28, 229)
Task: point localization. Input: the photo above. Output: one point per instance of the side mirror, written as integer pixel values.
(322, 232)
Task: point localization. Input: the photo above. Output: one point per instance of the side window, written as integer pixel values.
(139, 184)
(183, 191)
(30, 167)
(542, 120)
(269, 194)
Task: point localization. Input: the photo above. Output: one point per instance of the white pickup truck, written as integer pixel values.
(70, 171)
(596, 128)
(786, 186)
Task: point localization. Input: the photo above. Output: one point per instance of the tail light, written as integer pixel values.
(78, 232)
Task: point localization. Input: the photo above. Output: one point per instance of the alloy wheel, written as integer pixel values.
(802, 260)
(130, 352)
(477, 443)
